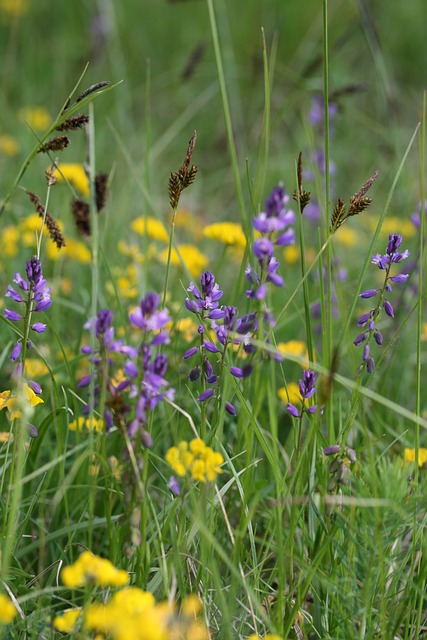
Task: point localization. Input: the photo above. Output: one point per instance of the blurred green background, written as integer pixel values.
(163, 54)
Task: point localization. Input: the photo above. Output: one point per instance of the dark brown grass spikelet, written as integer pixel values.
(185, 176)
(73, 123)
(174, 189)
(193, 61)
(338, 215)
(52, 226)
(101, 190)
(358, 203)
(55, 144)
(92, 89)
(81, 216)
(301, 196)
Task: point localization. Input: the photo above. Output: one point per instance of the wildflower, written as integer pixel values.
(229, 233)
(90, 424)
(35, 296)
(339, 467)
(189, 256)
(37, 118)
(75, 174)
(7, 610)
(296, 348)
(306, 391)
(67, 623)
(153, 228)
(409, 456)
(368, 319)
(269, 636)
(8, 145)
(90, 569)
(290, 393)
(196, 459)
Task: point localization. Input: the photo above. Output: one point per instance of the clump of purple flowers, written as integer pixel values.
(274, 226)
(144, 368)
(204, 303)
(34, 294)
(307, 391)
(368, 319)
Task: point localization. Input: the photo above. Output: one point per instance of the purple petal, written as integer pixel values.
(209, 346)
(402, 277)
(292, 410)
(13, 316)
(388, 309)
(190, 352)
(205, 395)
(230, 409)
(38, 327)
(369, 293)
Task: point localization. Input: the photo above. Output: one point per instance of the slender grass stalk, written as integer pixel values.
(227, 115)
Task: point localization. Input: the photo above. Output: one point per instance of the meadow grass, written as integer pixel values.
(211, 403)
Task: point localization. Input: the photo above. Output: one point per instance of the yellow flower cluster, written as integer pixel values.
(75, 174)
(195, 458)
(14, 403)
(194, 260)
(90, 569)
(7, 610)
(153, 228)
(290, 393)
(409, 456)
(88, 424)
(8, 145)
(38, 118)
(133, 614)
(229, 233)
(294, 348)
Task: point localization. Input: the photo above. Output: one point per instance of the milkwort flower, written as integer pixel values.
(101, 379)
(306, 390)
(204, 303)
(147, 373)
(35, 296)
(369, 318)
(274, 226)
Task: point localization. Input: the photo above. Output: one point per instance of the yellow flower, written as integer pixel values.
(74, 250)
(35, 368)
(405, 227)
(68, 621)
(152, 227)
(7, 610)
(291, 254)
(194, 260)
(409, 456)
(8, 145)
(187, 327)
(90, 424)
(93, 570)
(424, 331)
(295, 348)
(38, 118)
(5, 436)
(200, 461)
(14, 403)
(347, 237)
(229, 233)
(75, 174)
(291, 395)
(9, 241)
(133, 252)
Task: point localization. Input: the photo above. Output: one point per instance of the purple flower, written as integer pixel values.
(206, 395)
(37, 299)
(384, 262)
